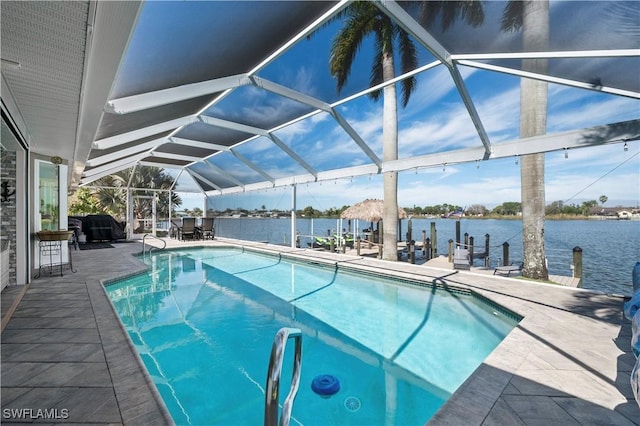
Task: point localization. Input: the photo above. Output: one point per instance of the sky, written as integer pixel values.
(585, 175)
(435, 120)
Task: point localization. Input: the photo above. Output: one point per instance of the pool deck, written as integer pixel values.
(567, 362)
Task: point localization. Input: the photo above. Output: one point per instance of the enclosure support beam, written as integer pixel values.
(293, 216)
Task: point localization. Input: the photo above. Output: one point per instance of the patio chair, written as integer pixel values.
(508, 269)
(208, 230)
(461, 259)
(175, 229)
(188, 228)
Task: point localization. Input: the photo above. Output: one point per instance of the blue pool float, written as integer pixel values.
(325, 385)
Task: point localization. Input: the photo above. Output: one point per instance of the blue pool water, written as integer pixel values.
(203, 321)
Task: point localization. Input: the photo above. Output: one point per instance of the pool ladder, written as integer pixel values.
(151, 247)
(273, 377)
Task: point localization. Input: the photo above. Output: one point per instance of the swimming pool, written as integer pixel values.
(203, 321)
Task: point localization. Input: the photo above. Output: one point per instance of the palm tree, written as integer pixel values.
(112, 195)
(532, 17)
(362, 19)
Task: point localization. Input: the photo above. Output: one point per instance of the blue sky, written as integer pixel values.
(435, 120)
(436, 115)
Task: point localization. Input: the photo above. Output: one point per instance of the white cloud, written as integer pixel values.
(593, 112)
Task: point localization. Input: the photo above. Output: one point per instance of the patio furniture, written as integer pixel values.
(188, 229)
(508, 269)
(175, 229)
(207, 228)
(461, 259)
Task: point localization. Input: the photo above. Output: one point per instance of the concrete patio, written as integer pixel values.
(567, 362)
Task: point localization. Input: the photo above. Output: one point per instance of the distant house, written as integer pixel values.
(625, 214)
(614, 212)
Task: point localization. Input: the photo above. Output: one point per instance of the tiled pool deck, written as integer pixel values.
(568, 362)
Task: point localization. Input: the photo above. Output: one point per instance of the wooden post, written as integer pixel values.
(424, 244)
(470, 250)
(450, 250)
(577, 263)
(412, 252)
(427, 249)
(505, 254)
(332, 244)
(434, 241)
(457, 233)
(409, 230)
(379, 251)
(358, 245)
(466, 240)
(487, 261)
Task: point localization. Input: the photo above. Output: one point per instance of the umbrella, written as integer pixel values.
(369, 210)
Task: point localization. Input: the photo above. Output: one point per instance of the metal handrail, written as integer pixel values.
(151, 248)
(273, 377)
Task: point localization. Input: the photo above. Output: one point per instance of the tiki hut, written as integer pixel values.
(369, 210)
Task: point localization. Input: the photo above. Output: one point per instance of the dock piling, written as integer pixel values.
(427, 249)
(424, 245)
(505, 254)
(487, 262)
(434, 241)
(577, 263)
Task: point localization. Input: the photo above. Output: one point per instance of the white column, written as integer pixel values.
(129, 214)
(24, 254)
(154, 213)
(293, 217)
(63, 218)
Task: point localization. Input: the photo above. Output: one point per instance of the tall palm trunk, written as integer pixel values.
(389, 153)
(533, 122)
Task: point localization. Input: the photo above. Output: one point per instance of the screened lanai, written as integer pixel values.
(239, 96)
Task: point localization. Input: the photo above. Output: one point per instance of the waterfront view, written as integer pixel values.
(610, 248)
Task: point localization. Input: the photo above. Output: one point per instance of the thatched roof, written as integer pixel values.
(369, 210)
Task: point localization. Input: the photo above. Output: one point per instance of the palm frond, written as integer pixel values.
(512, 16)
(376, 76)
(349, 39)
(471, 12)
(408, 62)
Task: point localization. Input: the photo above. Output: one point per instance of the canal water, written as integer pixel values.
(610, 248)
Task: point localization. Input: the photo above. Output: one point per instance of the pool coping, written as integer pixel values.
(568, 360)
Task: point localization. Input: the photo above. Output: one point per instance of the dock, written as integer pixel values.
(442, 262)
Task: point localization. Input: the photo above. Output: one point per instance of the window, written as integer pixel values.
(49, 201)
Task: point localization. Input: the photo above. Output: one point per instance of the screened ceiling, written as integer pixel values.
(238, 96)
